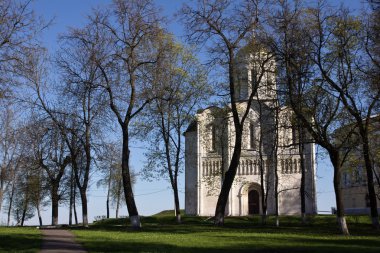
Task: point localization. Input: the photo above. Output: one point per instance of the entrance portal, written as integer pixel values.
(253, 202)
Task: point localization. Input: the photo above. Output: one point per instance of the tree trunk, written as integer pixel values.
(25, 208)
(83, 197)
(117, 209)
(230, 174)
(276, 196)
(108, 207)
(54, 205)
(176, 202)
(75, 206)
(172, 174)
(341, 219)
(275, 164)
(303, 174)
(118, 198)
(370, 181)
(1, 197)
(71, 197)
(262, 170)
(39, 214)
(108, 194)
(9, 210)
(2, 183)
(71, 211)
(228, 179)
(127, 185)
(263, 202)
(11, 202)
(82, 188)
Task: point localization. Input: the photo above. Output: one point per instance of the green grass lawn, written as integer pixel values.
(20, 239)
(240, 234)
(196, 234)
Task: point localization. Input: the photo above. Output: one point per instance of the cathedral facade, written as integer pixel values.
(270, 155)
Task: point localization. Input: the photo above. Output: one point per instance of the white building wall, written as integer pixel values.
(206, 184)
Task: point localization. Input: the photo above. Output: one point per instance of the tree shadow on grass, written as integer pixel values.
(308, 243)
(20, 242)
(240, 234)
(333, 246)
(326, 228)
(231, 238)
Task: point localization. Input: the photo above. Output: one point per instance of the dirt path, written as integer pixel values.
(59, 240)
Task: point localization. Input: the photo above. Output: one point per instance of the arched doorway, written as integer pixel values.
(253, 202)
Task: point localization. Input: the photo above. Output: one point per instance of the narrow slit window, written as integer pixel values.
(254, 81)
(269, 85)
(213, 138)
(252, 136)
(295, 136)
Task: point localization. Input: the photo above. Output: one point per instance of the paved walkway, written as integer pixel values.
(59, 240)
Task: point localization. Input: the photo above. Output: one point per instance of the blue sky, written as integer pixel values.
(151, 197)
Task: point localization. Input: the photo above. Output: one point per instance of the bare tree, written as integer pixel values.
(319, 109)
(229, 25)
(340, 62)
(22, 206)
(336, 51)
(38, 199)
(74, 120)
(83, 88)
(181, 87)
(275, 148)
(127, 42)
(262, 163)
(49, 153)
(11, 192)
(19, 28)
(27, 191)
(110, 169)
(9, 147)
(39, 191)
(301, 150)
(72, 198)
(12, 148)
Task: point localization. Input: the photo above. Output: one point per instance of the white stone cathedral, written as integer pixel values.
(209, 146)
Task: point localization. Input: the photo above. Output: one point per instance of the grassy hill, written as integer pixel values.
(160, 233)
